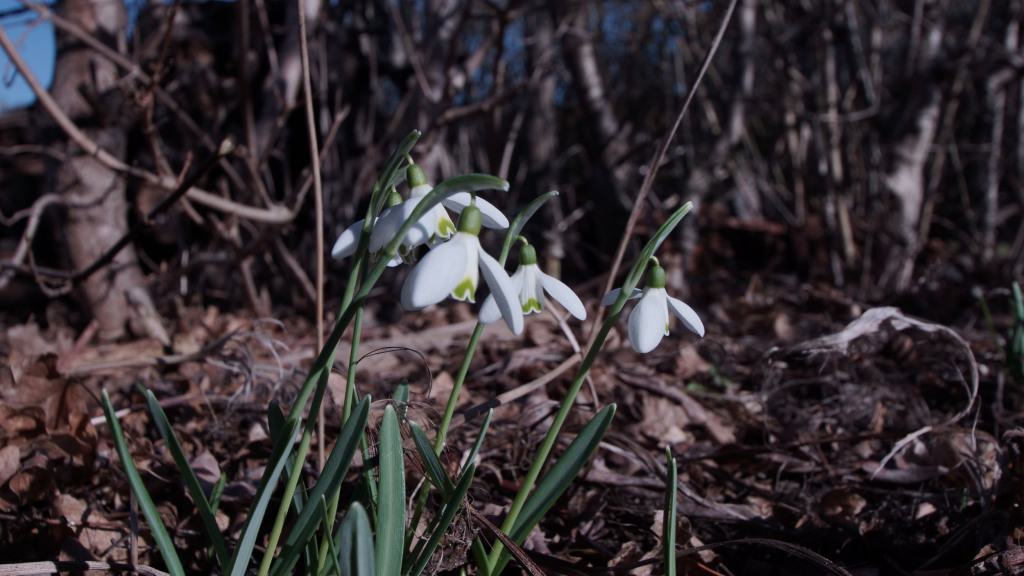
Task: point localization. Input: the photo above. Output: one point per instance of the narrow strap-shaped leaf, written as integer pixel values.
(517, 224)
(391, 497)
(480, 438)
(275, 466)
(331, 477)
(558, 479)
(435, 470)
(332, 550)
(355, 542)
(447, 515)
(206, 511)
(149, 511)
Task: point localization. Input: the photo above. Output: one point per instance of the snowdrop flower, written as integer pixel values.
(347, 243)
(454, 268)
(648, 323)
(531, 284)
(435, 226)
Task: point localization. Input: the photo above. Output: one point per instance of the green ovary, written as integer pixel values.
(465, 291)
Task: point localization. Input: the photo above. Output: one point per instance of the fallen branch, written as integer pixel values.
(37, 568)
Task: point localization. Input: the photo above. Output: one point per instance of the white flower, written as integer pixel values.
(530, 283)
(348, 241)
(453, 269)
(648, 323)
(435, 226)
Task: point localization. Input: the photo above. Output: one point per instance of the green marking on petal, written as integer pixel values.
(465, 291)
(445, 226)
(666, 328)
(531, 306)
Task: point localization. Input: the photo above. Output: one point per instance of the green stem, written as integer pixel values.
(460, 378)
(552, 436)
(286, 499)
(293, 478)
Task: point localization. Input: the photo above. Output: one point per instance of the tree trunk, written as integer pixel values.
(83, 85)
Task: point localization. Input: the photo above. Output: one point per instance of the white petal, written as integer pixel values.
(435, 276)
(563, 295)
(346, 244)
(392, 219)
(612, 296)
(437, 223)
(648, 323)
(687, 315)
(529, 288)
(505, 294)
(489, 312)
(491, 217)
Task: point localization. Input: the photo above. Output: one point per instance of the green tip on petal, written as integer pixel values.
(465, 291)
(415, 176)
(531, 306)
(527, 255)
(470, 221)
(656, 277)
(445, 227)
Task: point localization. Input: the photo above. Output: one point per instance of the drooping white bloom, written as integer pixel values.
(435, 226)
(348, 241)
(454, 269)
(531, 284)
(648, 322)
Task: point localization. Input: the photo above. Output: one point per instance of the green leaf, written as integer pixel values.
(668, 540)
(558, 479)
(264, 492)
(332, 550)
(355, 542)
(149, 511)
(452, 504)
(435, 470)
(387, 177)
(206, 511)
(333, 474)
(391, 497)
(517, 224)
(480, 437)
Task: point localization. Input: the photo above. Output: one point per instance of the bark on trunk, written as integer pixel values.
(83, 84)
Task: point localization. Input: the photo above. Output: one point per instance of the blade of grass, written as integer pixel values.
(149, 511)
(391, 497)
(206, 511)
